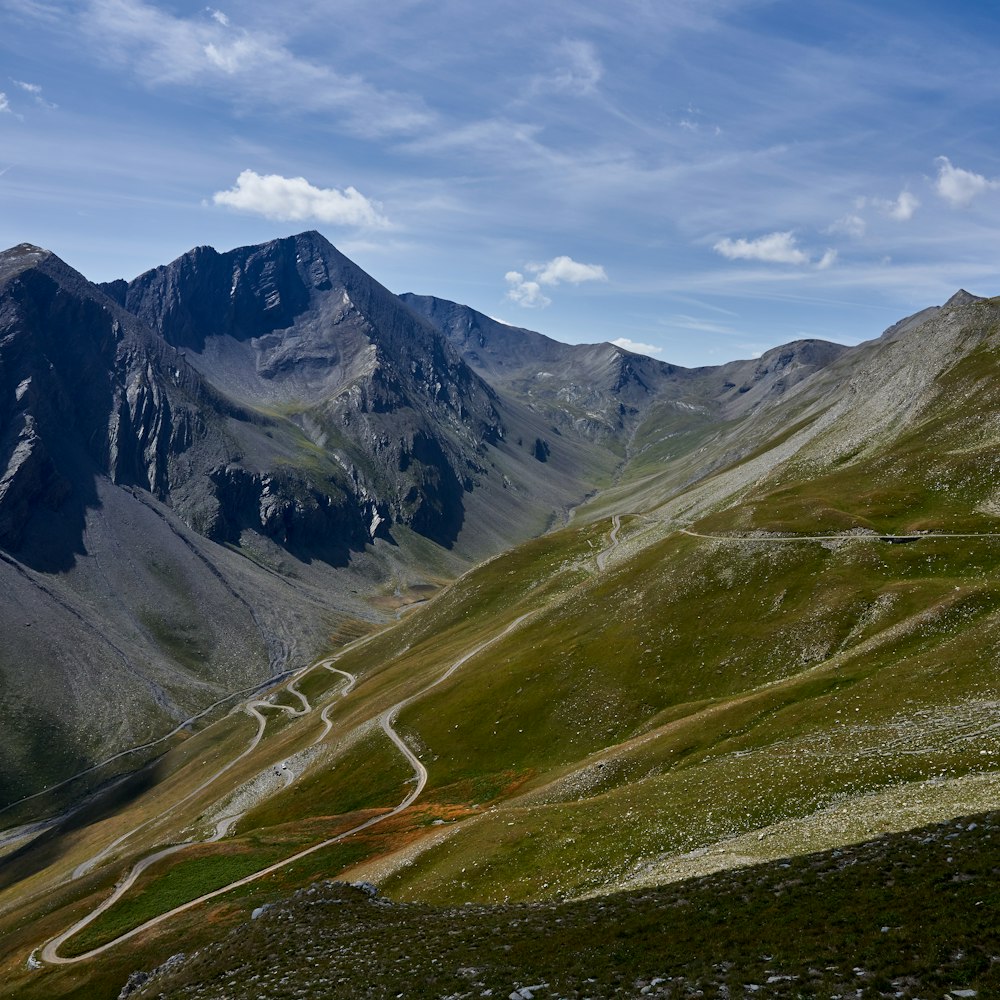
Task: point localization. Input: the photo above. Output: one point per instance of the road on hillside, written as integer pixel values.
(49, 952)
(866, 537)
(252, 708)
(344, 692)
(602, 556)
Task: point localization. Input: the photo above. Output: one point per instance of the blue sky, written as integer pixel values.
(708, 178)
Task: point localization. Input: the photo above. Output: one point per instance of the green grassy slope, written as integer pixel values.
(666, 703)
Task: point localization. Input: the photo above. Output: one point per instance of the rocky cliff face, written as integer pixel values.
(84, 391)
(294, 326)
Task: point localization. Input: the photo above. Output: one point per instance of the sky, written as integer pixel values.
(698, 180)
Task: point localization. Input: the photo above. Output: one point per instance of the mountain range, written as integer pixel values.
(275, 403)
(653, 622)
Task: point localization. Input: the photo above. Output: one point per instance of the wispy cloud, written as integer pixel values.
(774, 248)
(294, 199)
(702, 325)
(959, 187)
(35, 90)
(252, 67)
(4, 103)
(852, 225)
(637, 347)
(578, 71)
(525, 292)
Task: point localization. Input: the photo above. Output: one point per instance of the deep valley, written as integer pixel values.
(614, 677)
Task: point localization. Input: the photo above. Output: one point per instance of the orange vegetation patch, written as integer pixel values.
(479, 791)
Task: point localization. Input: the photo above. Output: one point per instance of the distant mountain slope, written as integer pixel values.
(607, 392)
(597, 389)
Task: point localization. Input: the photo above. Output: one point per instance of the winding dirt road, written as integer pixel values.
(252, 708)
(602, 556)
(50, 951)
(344, 692)
(866, 537)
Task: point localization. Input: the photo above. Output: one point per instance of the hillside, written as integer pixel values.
(774, 633)
(863, 921)
(291, 448)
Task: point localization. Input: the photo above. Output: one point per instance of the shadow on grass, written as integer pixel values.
(49, 846)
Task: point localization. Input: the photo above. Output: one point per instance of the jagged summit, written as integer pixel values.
(27, 256)
(22, 250)
(962, 298)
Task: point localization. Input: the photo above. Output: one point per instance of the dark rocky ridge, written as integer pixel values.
(294, 325)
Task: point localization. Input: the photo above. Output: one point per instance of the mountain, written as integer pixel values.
(771, 629)
(274, 403)
(597, 389)
(381, 403)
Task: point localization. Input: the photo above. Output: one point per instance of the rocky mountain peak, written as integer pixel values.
(962, 298)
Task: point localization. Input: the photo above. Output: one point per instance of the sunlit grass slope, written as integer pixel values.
(634, 702)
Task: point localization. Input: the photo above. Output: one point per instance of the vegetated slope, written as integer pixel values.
(662, 688)
(908, 915)
(699, 689)
(703, 689)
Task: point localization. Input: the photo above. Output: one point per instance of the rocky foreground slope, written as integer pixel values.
(905, 916)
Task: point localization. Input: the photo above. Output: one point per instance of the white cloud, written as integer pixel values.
(958, 186)
(4, 103)
(564, 268)
(852, 225)
(218, 16)
(36, 92)
(525, 293)
(774, 248)
(637, 347)
(902, 208)
(827, 260)
(528, 291)
(294, 199)
(579, 73)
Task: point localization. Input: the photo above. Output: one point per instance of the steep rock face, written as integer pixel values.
(294, 326)
(82, 393)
